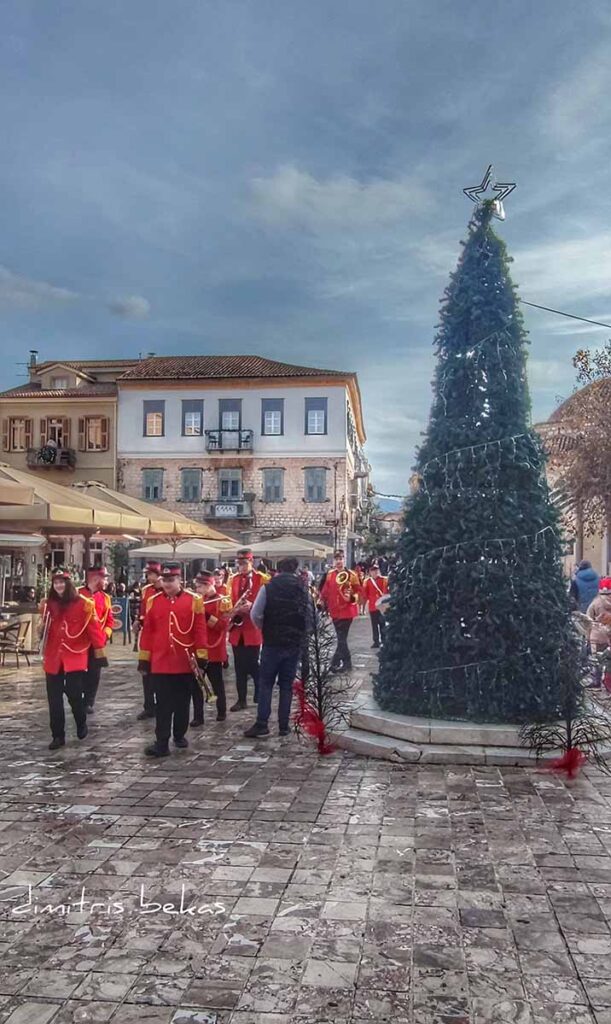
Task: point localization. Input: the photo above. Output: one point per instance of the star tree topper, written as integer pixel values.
(477, 193)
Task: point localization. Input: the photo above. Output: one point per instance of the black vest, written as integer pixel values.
(285, 615)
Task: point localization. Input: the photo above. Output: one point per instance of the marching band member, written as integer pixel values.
(244, 636)
(72, 631)
(339, 594)
(174, 633)
(375, 587)
(152, 586)
(95, 590)
(216, 609)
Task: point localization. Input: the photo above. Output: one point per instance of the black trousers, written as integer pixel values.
(214, 671)
(246, 662)
(173, 694)
(378, 626)
(91, 679)
(72, 684)
(342, 654)
(149, 694)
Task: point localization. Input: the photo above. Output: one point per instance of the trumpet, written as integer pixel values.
(238, 620)
(201, 680)
(345, 586)
(44, 635)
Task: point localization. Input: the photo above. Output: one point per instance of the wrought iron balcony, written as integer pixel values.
(229, 440)
(51, 457)
(228, 509)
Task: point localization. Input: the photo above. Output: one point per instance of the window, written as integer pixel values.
(58, 555)
(17, 434)
(273, 485)
(315, 478)
(272, 415)
(96, 552)
(316, 415)
(152, 484)
(60, 382)
(154, 415)
(93, 434)
(230, 413)
(192, 418)
(230, 483)
(56, 430)
(191, 484)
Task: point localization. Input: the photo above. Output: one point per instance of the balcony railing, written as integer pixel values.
(51, 457)
(229, 440)
(228, 509)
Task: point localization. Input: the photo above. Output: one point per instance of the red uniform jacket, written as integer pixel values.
(103, 607)
(217, 608)
(251, 584)
(147, 591)
(73, 629)
(173, 627)
(374, 589)
(338, 604)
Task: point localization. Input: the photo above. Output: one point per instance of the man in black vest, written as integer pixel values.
(282, 611)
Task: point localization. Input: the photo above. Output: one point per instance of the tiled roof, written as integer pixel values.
(573, 407)
(106, 390)
(223, 367)
(86, 364)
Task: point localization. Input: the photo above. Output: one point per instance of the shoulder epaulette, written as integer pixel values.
(87, 600)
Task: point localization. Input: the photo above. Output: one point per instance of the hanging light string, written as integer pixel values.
(472, 664)
(559, 312)
(482, 545)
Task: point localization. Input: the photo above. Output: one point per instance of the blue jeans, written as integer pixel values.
(276, 663)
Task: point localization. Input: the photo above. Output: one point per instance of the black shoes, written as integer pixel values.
(284, 732)
(256, 732)
(220, 717)
(154, 751)
(89, 709)
(182, 743)
(82, 731)
(374, 646)
(196, 723)
(56, 743)
(238, 706)
(145, 714)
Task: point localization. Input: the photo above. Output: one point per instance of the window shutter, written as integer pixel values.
(5, 435)
(82, 445)
(28, 433)
(43, 432)
(66, 431)
(104, 433)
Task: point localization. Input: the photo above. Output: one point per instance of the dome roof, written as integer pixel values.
(573, 407)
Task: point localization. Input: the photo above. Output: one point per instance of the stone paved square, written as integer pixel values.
(256, 883)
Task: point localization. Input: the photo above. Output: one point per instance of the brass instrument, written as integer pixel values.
(344, 585)
(238, 620)
(201, 680)
(44, 636)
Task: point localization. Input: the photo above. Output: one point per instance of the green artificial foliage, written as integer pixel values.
(479, 625)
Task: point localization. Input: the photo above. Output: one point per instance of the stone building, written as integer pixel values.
(254, 446)
(62, 424)
(558, 434)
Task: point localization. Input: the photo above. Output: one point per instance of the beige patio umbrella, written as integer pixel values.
(290, 546)
(186, 550)
(162, 522)
(12, 493)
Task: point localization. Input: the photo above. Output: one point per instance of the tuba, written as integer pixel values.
(344, 586)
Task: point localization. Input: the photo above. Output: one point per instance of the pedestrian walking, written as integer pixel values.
(149, 590)
(599, 612)
(281, 611)
(96, 590)
(244, 637)
(71, 629)
(216, 609)
(339, 595)
(173, 635)
(584, 586)
(374, 588)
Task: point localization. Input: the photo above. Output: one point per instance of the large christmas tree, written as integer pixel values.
(479, 623)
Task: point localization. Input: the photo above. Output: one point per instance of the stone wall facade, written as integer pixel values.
(291, 515)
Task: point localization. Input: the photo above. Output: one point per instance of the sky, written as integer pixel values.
(285, 178)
